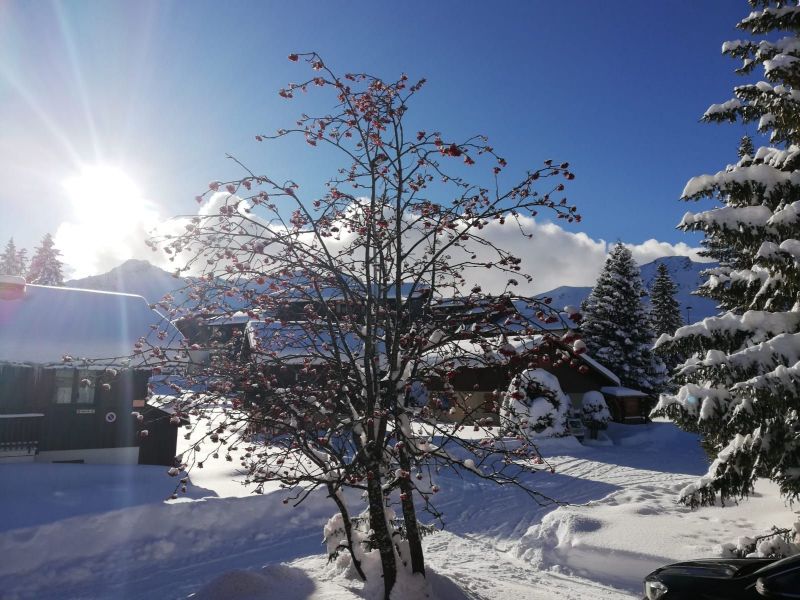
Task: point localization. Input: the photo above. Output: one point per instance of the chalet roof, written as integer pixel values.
(42, 324)
(528, 311)
(623, 392)
(505, 313)
(493, 351)
(600, 368)
(236, 318)
(299, 288)
(298, 342)
(482, 352)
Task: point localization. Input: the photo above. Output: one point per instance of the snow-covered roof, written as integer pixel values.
(600, 368)
(298, 342)
(42, 324)
(236, 318)
(480, 352)
(528, 311)
(490, 351)
(622, 392)
(519, 320)
(299, 288)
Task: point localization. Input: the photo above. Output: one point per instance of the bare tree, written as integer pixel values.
(329, 383)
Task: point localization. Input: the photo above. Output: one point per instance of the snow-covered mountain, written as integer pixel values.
(142, 278)
(133, 277)
(684, 272)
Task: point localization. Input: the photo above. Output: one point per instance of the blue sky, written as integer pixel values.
(163, 90)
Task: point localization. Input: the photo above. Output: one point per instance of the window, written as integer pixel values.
(74, 386)
(65, 378)
(87, 382)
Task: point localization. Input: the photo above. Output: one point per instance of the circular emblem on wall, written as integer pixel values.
(111, 417)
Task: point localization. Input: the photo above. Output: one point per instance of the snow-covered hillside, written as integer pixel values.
(684, 272)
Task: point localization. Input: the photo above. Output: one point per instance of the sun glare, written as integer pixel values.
(110, 221)
(106, 196)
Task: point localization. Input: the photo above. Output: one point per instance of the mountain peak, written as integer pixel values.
(135, 265)
(134, 276)
(674, 262)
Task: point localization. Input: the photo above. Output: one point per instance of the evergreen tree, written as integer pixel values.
(746, 147)
(741, 388)
(22, 261)
(45, 266)
(716, 247)
(13, 261)
(665, 312)
(616, 328)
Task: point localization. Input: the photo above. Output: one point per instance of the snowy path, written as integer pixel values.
(486, 572)
(621, 522)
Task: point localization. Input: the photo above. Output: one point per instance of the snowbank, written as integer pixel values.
(84, 537)
(621, 538)
(135, 547)
(274, 582)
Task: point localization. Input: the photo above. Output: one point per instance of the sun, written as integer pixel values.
(105, 196)
(110, 222)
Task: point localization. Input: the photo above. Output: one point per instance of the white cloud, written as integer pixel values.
(553, 256)
(651, 249)
(556, 257)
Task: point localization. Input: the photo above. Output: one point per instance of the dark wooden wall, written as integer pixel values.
(160, 446)
(76, 426)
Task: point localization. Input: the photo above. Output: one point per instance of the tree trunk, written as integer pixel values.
(410, 518)
(381, 537)
(348, 530)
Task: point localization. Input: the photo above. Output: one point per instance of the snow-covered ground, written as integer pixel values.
(85, 531)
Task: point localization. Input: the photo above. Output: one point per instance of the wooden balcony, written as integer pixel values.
(19, 436)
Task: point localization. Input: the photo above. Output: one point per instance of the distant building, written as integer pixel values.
(70, 379)
(487, 366)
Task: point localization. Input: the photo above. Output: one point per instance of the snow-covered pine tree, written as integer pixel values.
(665, 312)
(746, 147)
(716, 247)
(741, 388)
(13, 261)
(45, 266)
(616, 327)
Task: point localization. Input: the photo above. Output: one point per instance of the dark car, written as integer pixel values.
(726, 579)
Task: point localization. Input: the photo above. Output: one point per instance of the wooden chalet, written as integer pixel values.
(498, 314)
(298, 302)
(628, 405)
(482, 370)
(79, 409)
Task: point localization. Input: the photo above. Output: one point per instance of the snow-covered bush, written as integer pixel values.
(778, 543)
(535, 405)
(595, 411)
(341, 554)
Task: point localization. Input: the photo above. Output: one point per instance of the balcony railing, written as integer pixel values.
(19, 435)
